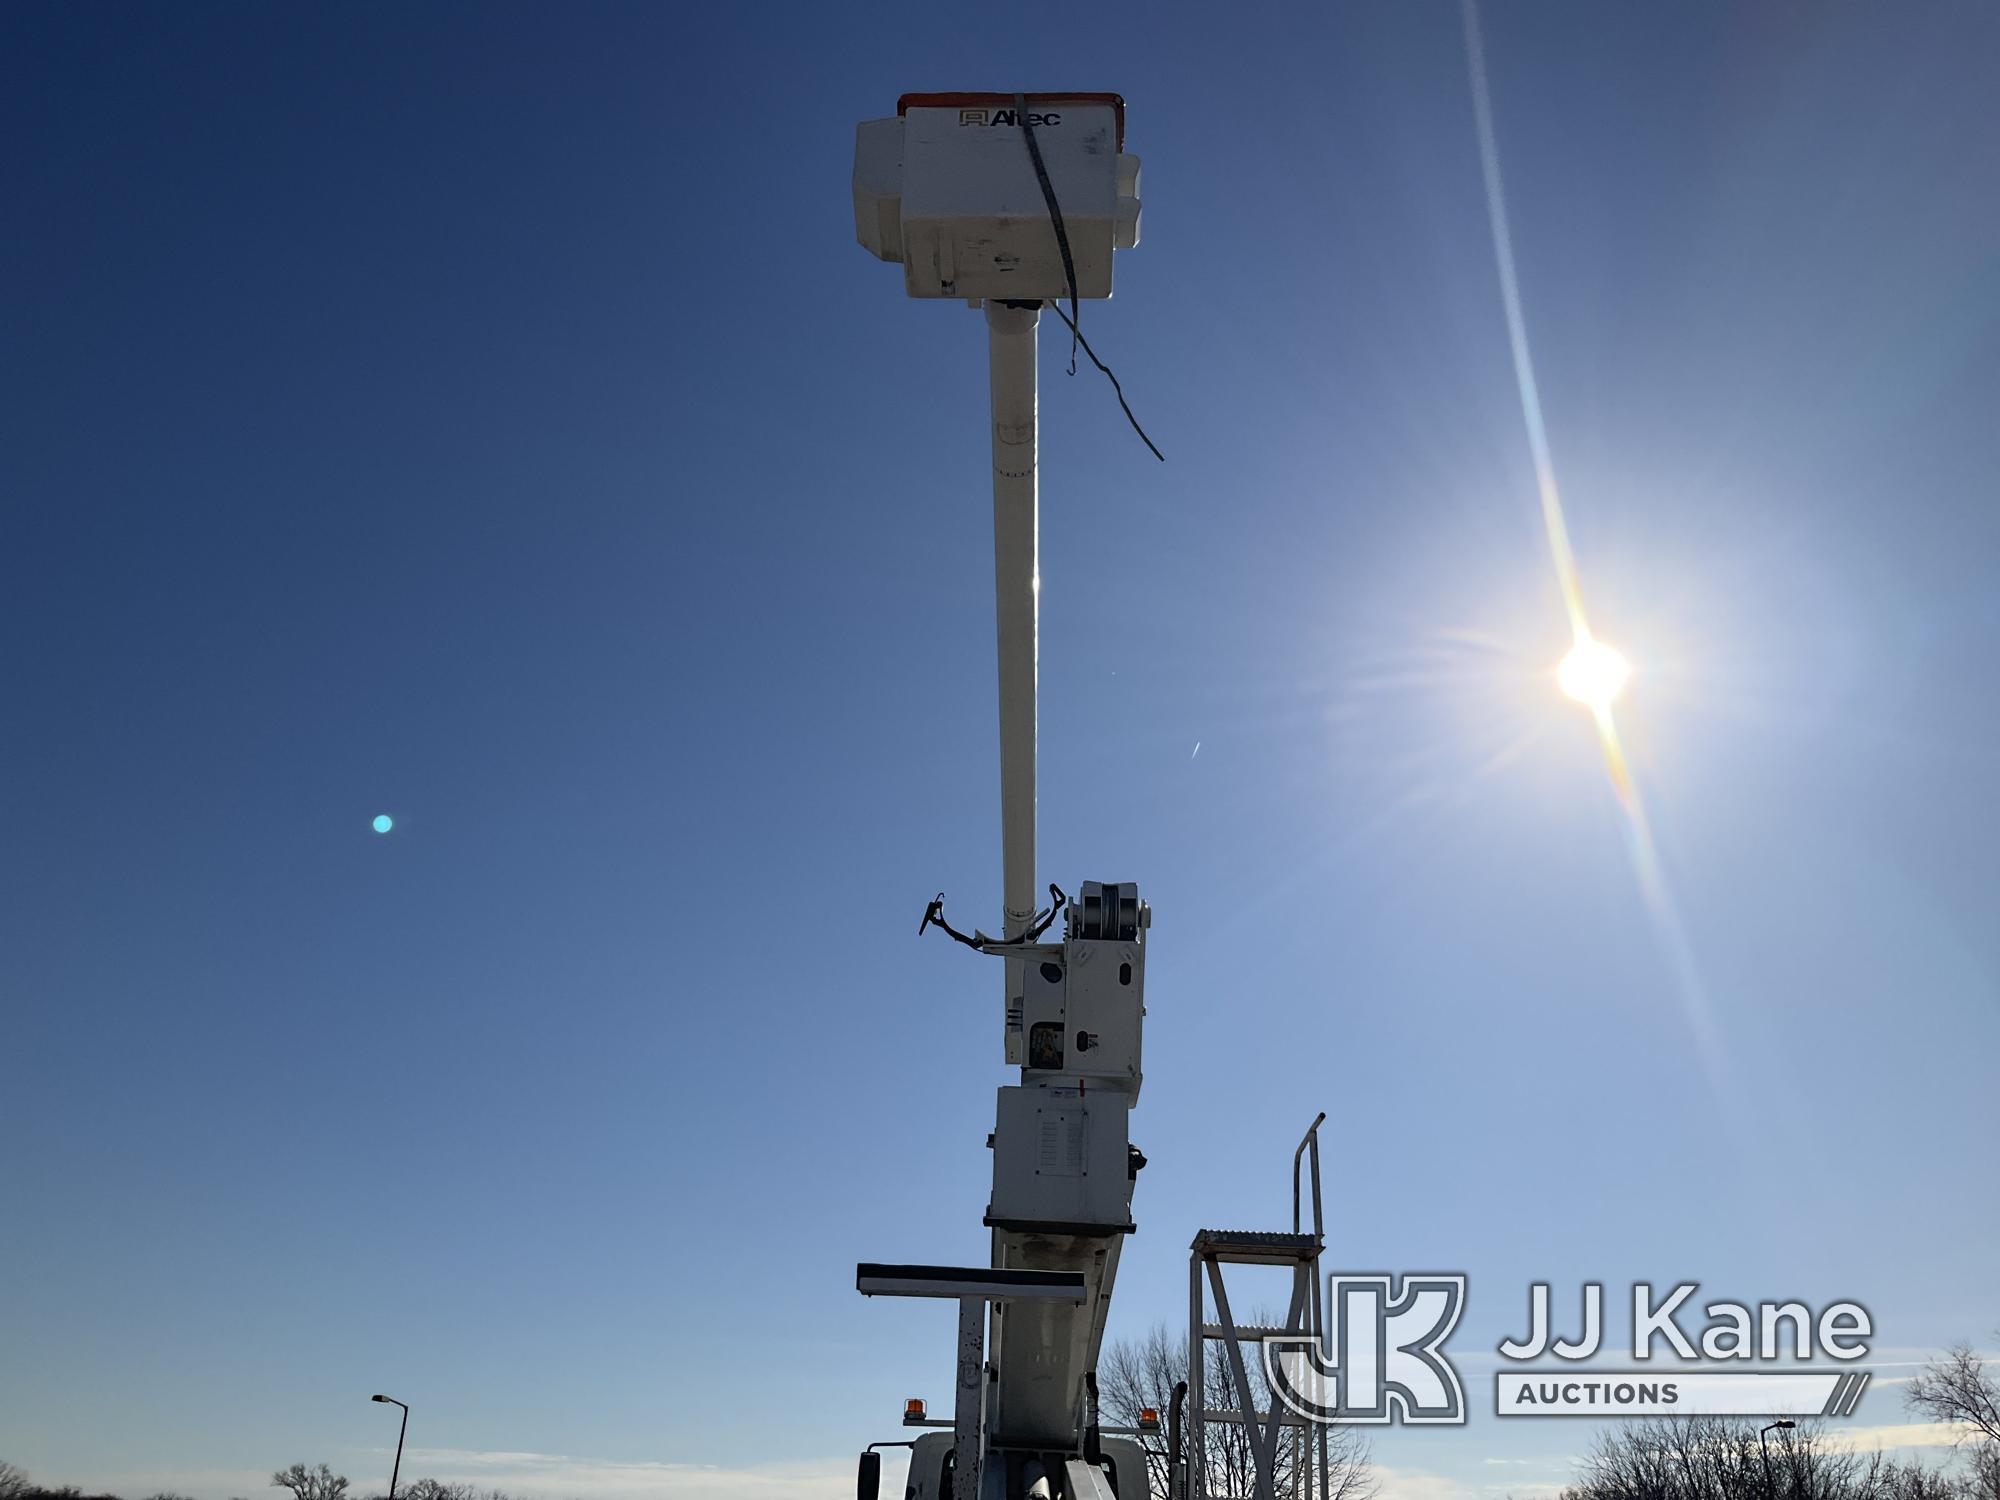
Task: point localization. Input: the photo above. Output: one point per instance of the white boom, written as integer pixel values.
(1011, 349)
(1014, 201)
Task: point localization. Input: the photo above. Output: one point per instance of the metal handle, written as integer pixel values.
(1310, 1142)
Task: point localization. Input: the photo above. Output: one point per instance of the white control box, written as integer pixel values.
(1083, 1012)
(1060, 1162)
(949, 189)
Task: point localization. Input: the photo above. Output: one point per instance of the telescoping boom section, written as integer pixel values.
(1014, 202)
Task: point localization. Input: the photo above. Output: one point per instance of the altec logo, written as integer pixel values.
(1006, 117)
(1383, 1359)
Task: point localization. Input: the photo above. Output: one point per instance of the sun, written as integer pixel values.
(1593, 673)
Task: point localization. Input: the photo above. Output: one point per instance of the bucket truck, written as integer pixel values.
(1016, 203)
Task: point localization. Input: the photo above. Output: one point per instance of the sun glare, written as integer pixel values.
(1593, 673)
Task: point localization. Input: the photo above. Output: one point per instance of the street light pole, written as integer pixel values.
(398, 1469)
(1762, 1444)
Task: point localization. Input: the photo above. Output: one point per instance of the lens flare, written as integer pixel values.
(383, 823)
(1593, 674)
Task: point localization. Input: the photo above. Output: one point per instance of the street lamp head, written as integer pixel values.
(390, 1399)
(1785, 1422)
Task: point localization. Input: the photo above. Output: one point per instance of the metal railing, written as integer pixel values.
(1309, 1143)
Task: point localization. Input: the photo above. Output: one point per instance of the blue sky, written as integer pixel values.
(482, 415)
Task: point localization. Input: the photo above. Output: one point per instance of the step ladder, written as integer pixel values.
(1211, 1321)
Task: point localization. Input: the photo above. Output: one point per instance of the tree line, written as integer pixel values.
(315, 1483)
(1718, 1458)
(1668, 1458)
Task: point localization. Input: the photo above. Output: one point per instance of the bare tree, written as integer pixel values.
(1718, 1458)
(310, 1484)
(1913, 1481)
(1143, 1372)
(437, 1489)
(1958, 1390)
(20, 1487)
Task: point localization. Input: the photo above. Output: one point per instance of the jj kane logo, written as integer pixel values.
(1381, 1357)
